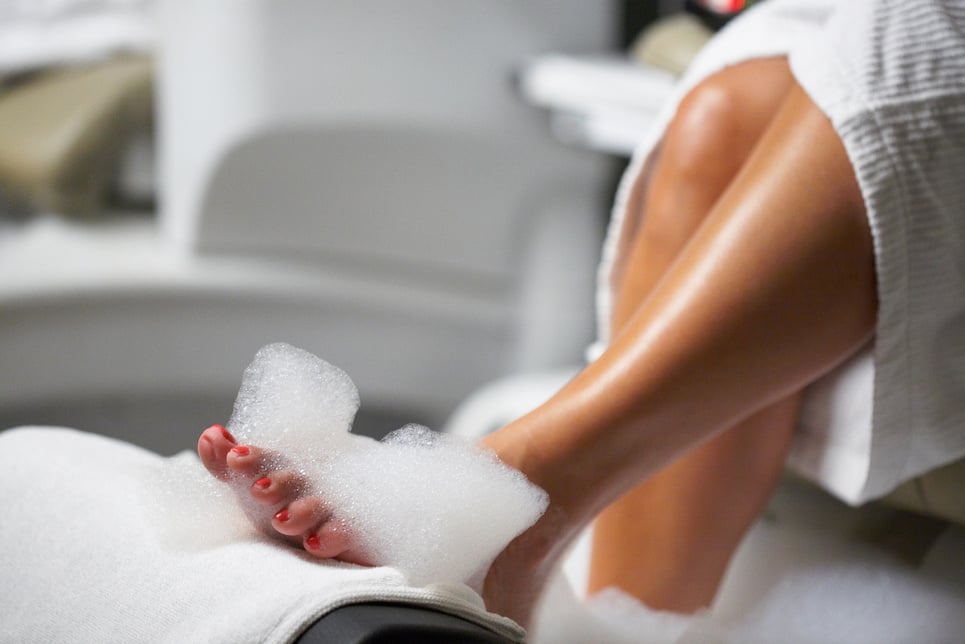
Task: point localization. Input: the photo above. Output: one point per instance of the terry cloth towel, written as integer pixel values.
(890, 76)
(94, 547)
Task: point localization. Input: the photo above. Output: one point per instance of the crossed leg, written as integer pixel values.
(774, 288)
(669, 540)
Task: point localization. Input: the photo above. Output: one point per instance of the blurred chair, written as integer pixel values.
(356, 178)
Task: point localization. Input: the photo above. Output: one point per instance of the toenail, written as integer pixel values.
(241, 450)
(282, 515)
(226, 434)
(313, 542)
(263, 482)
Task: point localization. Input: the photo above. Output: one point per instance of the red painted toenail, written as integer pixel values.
(282, 515)
(241, 450)
(313, 542)
(263, 482)
(226, 434)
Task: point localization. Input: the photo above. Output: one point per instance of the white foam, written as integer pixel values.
(788, 585)
(190, 509)
(435, 507)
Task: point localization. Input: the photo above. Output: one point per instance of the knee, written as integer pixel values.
(706, 135)
(699, 156)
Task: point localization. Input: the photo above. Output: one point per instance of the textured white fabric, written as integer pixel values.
(891, 77)
(88, 553)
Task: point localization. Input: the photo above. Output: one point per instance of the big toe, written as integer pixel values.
(214, 445)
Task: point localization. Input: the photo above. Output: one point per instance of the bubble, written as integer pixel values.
(434, 506)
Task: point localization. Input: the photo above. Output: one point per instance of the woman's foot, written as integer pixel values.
(519, 574)
(277, 500)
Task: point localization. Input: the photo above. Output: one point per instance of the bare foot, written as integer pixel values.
(519, 574)
(277, 500)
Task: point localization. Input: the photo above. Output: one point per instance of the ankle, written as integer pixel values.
(516, 446)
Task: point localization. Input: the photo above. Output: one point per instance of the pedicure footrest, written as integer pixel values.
(394, 624)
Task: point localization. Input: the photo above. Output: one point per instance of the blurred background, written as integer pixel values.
(415, 191)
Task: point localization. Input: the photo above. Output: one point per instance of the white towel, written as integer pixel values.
(85, 556)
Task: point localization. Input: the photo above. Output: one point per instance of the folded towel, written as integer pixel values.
(103, 541)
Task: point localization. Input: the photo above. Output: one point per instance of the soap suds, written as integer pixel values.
(437, 508)
(791, 584)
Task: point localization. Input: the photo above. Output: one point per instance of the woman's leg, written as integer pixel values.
(775, 288)
(668, 541)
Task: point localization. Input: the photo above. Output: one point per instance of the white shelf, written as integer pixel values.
(602, 103)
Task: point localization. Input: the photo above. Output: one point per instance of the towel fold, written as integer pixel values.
(93, 548)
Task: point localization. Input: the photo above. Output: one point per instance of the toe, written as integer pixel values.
(332, 540)
(276, 488)
(299, 516)
(245, 460)
(214, 445)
